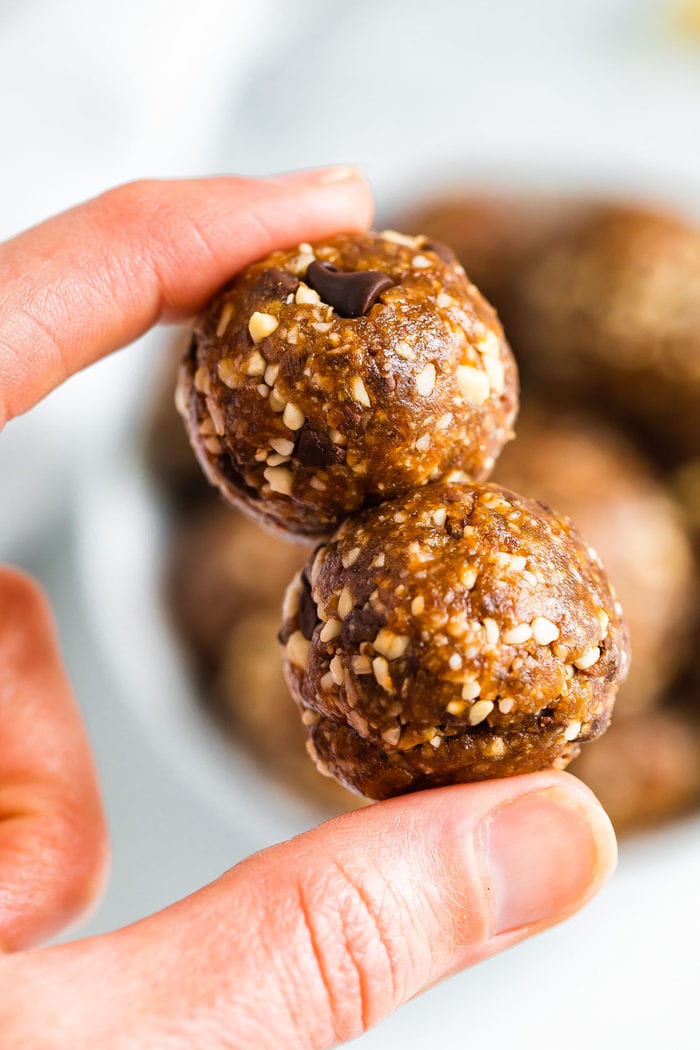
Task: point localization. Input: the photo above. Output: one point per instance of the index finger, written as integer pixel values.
(96, 277)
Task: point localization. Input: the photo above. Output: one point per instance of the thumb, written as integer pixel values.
(309, 943)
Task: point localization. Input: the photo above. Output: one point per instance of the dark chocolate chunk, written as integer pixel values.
(443, 252)
(350, 293)
(308, 617)
(278, 284)
(315, 449)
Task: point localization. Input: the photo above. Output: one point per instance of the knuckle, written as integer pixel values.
(357, 959)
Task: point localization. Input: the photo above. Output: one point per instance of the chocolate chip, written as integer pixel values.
(351, 294)
(278, 284)
(443, 251)
(307, 616)
(455, 526)
(315, 449)
(361, 625)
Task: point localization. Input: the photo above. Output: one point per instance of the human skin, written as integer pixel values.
(308, 943)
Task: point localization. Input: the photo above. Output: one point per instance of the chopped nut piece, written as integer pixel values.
(276, 401)
(261, 325)
(492, 631)
(425, 380)
(293, 417)
(227, 371)
(473, 384)
(359, 392)
(351, 557)
(468, 577)
(225, 316)
(298, 649)
(399, 238)
(544, 631)
(380, 668)
(202, 383)
(470, 689)
(345, 603)
(279, 479)
(391, 645)
(304, 294)
(418, 605)
(284, 446)
(361, 665)
(336, 669)
(522, 632)
(572, 730)
(480, 712)
(589, 657)
(256, 364)
(392, 736)
(330, 630)
(271, 373)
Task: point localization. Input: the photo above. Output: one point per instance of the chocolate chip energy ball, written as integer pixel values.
(593, 475)
(457, 633)
(609, 313)
(338, 375)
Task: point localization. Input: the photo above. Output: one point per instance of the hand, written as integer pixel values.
(307, 943)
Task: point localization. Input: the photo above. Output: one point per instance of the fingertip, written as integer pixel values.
(548, 848)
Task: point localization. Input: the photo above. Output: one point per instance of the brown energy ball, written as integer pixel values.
(609, 313)
(254, 701)
(337, 375)
(646, 770)
(221, 566)
(226, 581)
(591, 474)
(457, 633)
(492, 234)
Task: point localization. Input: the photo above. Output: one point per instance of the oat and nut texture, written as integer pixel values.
(606, 486)
(335, 376)
(459, 632)
(607, 314)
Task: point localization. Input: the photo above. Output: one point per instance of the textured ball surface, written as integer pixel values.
(591, 474)
(338, 375)
(457, 633)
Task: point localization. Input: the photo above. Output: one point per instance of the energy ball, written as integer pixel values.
(594, 476)
(608, 314)
(646, 770)
(493, 234)
(457, 633)
(220, 569)
(253, 698)
(338, 375)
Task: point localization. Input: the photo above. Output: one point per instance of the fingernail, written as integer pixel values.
(547, 854)
(321, 176)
